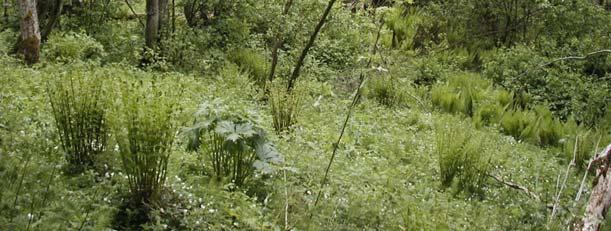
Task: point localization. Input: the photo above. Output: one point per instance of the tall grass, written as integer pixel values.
(537, 127)
(284, 107)
(79, 110)
(462, 161)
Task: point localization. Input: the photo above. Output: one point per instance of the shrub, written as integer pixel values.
(580, 146)
(145, 133)
(72, 46)
(7, 40)
(461, 157)
(284, 107)
(460, 94)
(231, 142)
(564, 85)
(504, 98)
(429, 72)
(79, 110)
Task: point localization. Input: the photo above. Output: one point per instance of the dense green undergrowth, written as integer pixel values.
(201, 139)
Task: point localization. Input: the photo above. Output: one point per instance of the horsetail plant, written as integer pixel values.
(80, 117)
(284, 107)
(145, 133)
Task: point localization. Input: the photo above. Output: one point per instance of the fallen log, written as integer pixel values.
(600, 198)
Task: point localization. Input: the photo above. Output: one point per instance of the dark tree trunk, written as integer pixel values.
(29, 40)
(151, 34)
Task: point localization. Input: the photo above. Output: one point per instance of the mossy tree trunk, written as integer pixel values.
(29, 40)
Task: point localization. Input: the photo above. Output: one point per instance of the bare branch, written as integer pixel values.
(515, 186)
(566, 176)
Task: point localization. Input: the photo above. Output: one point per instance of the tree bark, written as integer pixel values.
(151, 34)
(600, 199)
(304, 53)
(29, 40)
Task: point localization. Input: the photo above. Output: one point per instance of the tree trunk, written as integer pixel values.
(29, 41)
(600, 199)
(151, 35)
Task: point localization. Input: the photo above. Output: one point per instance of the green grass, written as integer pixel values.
(386, 174)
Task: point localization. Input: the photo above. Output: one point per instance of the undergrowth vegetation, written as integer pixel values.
(231, 143)
(462, 159)
(402, 115)
(79, 109)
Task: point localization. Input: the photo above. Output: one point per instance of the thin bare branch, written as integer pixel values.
(563, 185)
(515, 186)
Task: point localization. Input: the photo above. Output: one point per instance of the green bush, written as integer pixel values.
(461, 159)
(564, 86)
(79, 109)
(71, 46)
(385, 90)
(429, 72)
(7, 40)
(461, 93)
(547, 130)
(504, 98)
(145, 132)
(253, 63)
(582, 142)
(231, 143)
